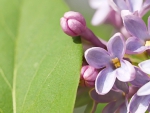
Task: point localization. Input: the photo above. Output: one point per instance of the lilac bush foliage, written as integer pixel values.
(109, 71)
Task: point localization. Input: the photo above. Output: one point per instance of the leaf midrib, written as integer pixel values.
(15, 66)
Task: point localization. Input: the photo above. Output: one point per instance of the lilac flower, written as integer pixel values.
(140, 102)
(134, 6)
(117, 100)
(112, 60)
(88, 76)
(140, 40)
(73, 24)
(141, 78)
(145, 66)
(104, 13)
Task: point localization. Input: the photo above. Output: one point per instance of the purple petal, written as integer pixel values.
(145, 66)
(123, 107)
(145, 7)
(97, 57)
(75, 15)
(110, 96)
(122, 86)
(144, 90)
(135, 4)
(113, 106)
(100, 16)
(132, 91)
(149, 24)
(105, 81)
(95, 4)
(148, 109)
(66, 28)
(135, 26)
(114, 19)
(135, 46)
(125, 13)
(101, 13)
(116, 46)
(140, 79)
(126, 72)
(118, 5)
(139, 104)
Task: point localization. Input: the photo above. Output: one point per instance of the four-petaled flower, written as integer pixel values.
(140, 40)
(140, 7)
(140, 102)
(112, 60)
(102, 11)
(105, 14)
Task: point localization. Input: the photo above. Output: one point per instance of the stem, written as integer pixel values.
(94, 107)
(89, 35)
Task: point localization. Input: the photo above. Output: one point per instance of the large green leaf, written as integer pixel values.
(39, 64)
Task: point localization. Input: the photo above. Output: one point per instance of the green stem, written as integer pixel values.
(94, 107)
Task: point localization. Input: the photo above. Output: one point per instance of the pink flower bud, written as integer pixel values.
(88, 76)
(73, 23)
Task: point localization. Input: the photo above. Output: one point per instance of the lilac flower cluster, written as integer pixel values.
(109, 68)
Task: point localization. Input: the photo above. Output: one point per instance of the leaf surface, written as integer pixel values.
(39, 64)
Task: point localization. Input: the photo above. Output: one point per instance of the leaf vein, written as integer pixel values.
(5, 79)
(32, 80)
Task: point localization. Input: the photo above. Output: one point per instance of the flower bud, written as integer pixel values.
(73, 23)
(88, 76)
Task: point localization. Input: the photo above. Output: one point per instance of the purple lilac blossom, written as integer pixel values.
(102, 11)
(116, 100)
(140, 101)
(140, 40)
(105, 14)
(145, 66)
(112, 60)
(141, 78)
(139, 6)
(139, 104)
(73, 24)
(88, 75)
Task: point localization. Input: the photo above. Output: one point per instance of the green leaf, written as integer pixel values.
(39, 64)
(100, 107)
